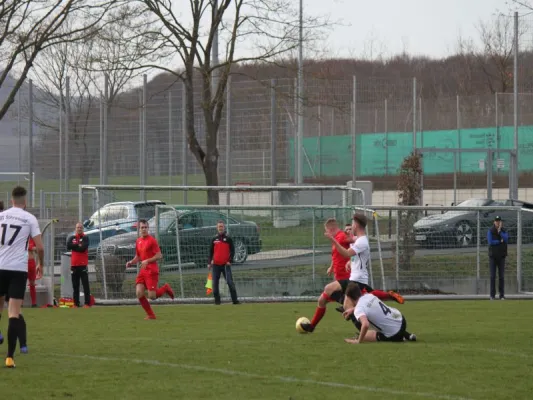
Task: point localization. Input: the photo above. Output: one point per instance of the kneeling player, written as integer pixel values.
(368, 309)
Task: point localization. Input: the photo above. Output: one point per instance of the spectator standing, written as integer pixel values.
(78, 244)
(497, 238)
(221, 255)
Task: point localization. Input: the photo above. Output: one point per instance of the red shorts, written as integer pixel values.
(149, 277)
(32, 270)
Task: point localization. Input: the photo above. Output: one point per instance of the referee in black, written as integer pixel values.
(221, 255)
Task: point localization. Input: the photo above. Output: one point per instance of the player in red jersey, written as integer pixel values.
(333, 290)
(32, 272)
(148, 252)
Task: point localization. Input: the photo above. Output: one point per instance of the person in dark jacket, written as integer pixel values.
(221, 255)
(497, 238)
(79, 244)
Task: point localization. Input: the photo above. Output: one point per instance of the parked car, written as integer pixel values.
(196, 229)
(458, 227)
(116, 219)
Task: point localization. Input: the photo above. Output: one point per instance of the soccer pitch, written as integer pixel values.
(465, 350)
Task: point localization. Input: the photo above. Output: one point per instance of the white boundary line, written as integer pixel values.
(258, 376)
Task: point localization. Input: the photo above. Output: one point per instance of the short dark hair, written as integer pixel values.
(360, 219)
(143, 221)
(353, 291)
(18, 192)
(220, 222)
(1, 205)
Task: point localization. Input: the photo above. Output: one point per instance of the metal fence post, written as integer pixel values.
(100, 245)
(170, 143)
(314, 245)
(398, 250)
(519, 252)
(376, 223)
(228, 138)
(184, 177)
(478, 250)
(414, 114)
(178, 250)
(354, 131)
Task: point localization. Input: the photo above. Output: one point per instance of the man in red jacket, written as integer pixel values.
(221, 255)
(78, 244)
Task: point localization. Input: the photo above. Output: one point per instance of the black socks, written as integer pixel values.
(12, 336)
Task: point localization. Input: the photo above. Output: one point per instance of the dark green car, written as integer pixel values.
(196, 229)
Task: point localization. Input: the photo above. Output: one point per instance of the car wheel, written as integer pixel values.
(241, 251)
(464, 234)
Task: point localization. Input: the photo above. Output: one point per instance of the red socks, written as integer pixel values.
(319, 313)
(161, 291)
(33, 295)
(380, 294)
(146, 305)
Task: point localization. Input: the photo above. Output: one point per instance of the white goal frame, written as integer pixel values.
(349, 190)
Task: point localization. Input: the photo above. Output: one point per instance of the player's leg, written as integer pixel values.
(217, 271)
(32, 276)
(23, 336)
(16, 291)
(75, 285)
(228, 276)
(165, 289)
(501, 277)
(492, 266)
(332, 292)
(1, 312)
(404, 334)
(140, 289)
(84, 276)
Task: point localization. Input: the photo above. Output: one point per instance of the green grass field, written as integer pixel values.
(466, 350)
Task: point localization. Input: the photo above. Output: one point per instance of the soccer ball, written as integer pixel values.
(301, 320)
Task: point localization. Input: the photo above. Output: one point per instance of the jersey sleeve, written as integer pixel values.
(359, 246)
(359, 311)
(34, 227)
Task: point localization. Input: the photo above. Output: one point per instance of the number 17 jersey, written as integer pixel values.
(17, 226)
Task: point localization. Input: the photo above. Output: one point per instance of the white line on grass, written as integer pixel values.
(267, 377)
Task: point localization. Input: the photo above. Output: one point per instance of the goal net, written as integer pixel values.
(281, 253)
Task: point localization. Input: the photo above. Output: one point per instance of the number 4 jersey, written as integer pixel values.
(16, 228)
(387, 320)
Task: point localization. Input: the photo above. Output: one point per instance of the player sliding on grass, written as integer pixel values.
(367, 309)
(359, 252)
(148, 252)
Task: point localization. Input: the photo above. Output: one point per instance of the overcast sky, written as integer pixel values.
(426, 27)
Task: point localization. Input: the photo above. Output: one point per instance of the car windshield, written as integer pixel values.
(145, 211)
(166, 219)
(468, 203)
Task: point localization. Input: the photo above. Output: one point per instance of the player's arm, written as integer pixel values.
(35, 234)
(491, 240)
(211, 252)
(39, 248)
(342, 251)
(231, 250)
(330, 269)
(84, 244)
(70, 246)
(364, 327)
(135, 259)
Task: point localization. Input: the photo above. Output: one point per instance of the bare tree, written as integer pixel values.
(496, 57)
(28, 27)
(264, 30)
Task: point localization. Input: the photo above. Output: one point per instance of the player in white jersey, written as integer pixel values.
(389, 323)
(17, 226)
(359, 252)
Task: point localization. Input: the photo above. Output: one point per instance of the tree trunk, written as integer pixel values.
(210, 167)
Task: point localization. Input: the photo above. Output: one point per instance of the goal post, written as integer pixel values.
(281, 251)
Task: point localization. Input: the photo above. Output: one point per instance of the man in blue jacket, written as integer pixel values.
(497, 238)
